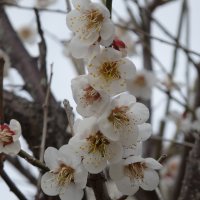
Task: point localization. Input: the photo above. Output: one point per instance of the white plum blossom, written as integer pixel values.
(92, 26)
(89, 101)
(93, 146)
(135, 172)
(141, 84)
(121, 118)
(183, 121)
(9, 137)
(109, 71)
(67, 177)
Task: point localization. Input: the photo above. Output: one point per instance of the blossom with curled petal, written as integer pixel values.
(66, 177)
(9, 137)
(91, 24)
(135, 172)
(121, 118)
(109, 71)
(141, 84)
(89, 101)
(93, 146)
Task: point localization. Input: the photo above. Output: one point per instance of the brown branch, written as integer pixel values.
(2, 62)
(11, 185)
(97, 183)
(42, 50)
(22, 169)
(33, 161)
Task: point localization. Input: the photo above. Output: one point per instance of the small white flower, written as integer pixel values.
(141, 84)
(183, 121)
(9, 137)
(89, 101)
(135, 172)
(120, 120)
(91, 23)
(67, 177)
(109, 71)
(196, 123)
(94, 147)
(6, 60)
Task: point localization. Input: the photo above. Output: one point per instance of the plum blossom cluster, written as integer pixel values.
(113, 124)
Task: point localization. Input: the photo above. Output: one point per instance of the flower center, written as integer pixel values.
(91, 95)
(109, 70)
(118, 117)
(6, 135)
(94, 20)
(135, 170)
(65, 175)
(140, 81)
(98, 143)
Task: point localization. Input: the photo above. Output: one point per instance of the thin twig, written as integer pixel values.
(33, 161)
(162, 158)
(12, 186)
(45, 117)
(2, 62)
(109, 6)
(42, 49)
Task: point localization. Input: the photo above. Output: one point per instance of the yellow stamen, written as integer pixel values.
(98, 143)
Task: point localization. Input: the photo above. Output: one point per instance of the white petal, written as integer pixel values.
(126, 187)
(13, 148)
(150, 181)
(69, 155)
(124, 100)
(127, 69)
(115, 152)
(107, 128)
(72, 192)
(73, 20)
(116, 171)
(49, 184)
(78, 49)
(51, 155)
(107, 29)
(133, 159)
(94, 163)
(80, 177)
(129, 135)
(16, 127)
(152, 163)
(80, 4)
(145, 131)
(140, 113)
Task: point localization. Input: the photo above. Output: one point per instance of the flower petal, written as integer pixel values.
(140, 113)
(16, 127)
(145, 131)
(13, 148)
(107, 29)
(152, 163)
(72, 192)
(49, 184)
(51, 155)
(116, 171)
(150, 180)
(126, 187)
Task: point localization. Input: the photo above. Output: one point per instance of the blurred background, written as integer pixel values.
(161, 36)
